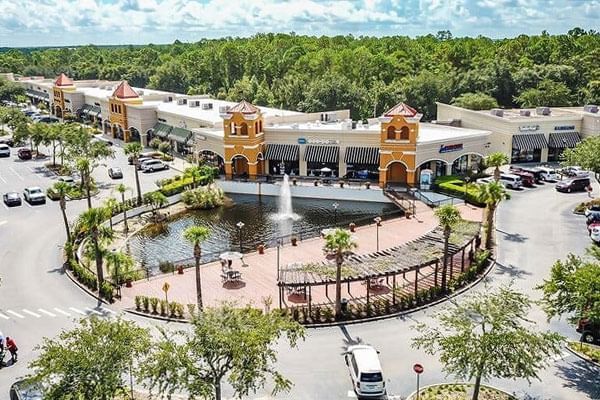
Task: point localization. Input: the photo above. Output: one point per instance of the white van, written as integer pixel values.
(549, 174)
(365, 371)
(511, 181)
(4, 150)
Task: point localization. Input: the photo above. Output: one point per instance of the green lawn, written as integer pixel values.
(455, 185)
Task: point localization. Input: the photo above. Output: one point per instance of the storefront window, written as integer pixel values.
(278, 167)
(526, 156)
(555, 154)
(362, 171)
(322, 169)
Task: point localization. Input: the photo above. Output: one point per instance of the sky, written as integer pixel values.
(25, 23)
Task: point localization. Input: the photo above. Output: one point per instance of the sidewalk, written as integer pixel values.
(259, 278)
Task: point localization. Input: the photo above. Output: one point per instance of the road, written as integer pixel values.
(535, 228)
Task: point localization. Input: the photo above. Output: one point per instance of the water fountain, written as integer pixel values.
(285, 209)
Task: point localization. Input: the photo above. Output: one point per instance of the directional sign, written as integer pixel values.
(166, 287)
(418, 368)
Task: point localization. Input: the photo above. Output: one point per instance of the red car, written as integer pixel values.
(527, 178)
(24, 154)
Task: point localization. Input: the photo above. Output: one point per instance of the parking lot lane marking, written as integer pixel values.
(351, 394)
(16, 173)
(5, 206)
(77, 311)
(48, 313)
(26, 311)
(4, 316)
(15, 314)
(2, 179)
(61, 311)
(91, 310)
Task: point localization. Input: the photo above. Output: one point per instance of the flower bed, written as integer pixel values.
(585, 350)
(459, 391)
(581, 207)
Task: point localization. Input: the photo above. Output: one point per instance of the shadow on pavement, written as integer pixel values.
(511, 271)
(349, 340)
(582, 376)
(513, 237)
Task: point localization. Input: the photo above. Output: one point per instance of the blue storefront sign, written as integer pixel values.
(301, 140)
(448, 148)
(565, 128)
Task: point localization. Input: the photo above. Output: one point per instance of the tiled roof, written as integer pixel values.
(124, 91)
(63, 80)
(401, 109)
(243, 107)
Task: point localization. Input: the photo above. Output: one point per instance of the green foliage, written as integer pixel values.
(203, 198)
(155, 142)
(455, 186)
(573, 288)
(176, 186)
(489, 336)
(84, 276)
(237, 344)
(90, 361)
(156, 200)
(475, 101)
(586, 154)
(107, 291)
(547, 93)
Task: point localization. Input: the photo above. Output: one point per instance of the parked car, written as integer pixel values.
(29, 113)
(535, 171)
(67, 179)
(571, 171)
(595, 234)
(24, 153)
(365, 371)
(100, 139)
(142, 160)
(484, 181)
(590, 333)
(153, 165)
(146, 155)
(593, 210)
(573, 185)
(34, 194)
(115, 173)
(12, 199)
(511, 181)
(549, 174)
(7, 140)
(527, 178)
(46, 119)
(591, 219)
(4, 150)
(23, 390)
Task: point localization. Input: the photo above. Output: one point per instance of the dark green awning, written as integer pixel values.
(95, 111)
(180, 135)
(161, 130)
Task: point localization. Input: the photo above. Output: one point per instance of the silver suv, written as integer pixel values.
(34, 195)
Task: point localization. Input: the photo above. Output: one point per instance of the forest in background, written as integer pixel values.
(364, 74)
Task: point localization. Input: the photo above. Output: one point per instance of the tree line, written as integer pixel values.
(364, 74)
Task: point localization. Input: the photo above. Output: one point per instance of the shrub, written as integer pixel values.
(455, 186)
(154, 304)
(172, 309)
(164, 306)
(178, 185)
(192, 309)
(166, 266)
(179, 310)
(84, 276)
(203, 198)
(155, 142)
(480, 259)
(138, 302)
(146, 303)
(106, 291)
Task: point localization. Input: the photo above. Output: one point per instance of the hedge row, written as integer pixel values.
(156, 306)
(455, 186)
(84, 276)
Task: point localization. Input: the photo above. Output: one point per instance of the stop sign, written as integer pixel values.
(418, 368)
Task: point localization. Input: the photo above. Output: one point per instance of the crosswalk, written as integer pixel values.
(54, 312)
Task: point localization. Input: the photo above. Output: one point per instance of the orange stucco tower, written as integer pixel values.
(243, 139)
(117, 105)
(398, 145)
(62, 84)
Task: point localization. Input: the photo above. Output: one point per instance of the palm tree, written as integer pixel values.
(196, 235)
(194, 173)
(338, 243)
(119, 265)
(122, 189)
(133, 150)
(448, 216)
(111, 205)
(91, 224)
(491, 194)
(496, 160)
(84, 165)
(62, 189)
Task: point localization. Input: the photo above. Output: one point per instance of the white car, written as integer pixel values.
(511, 181)
(485, 181)
(549, 174)
(67, 179)
(4, 150)
(365, 371)
(153, 165)
(34, 194)
(595, 234)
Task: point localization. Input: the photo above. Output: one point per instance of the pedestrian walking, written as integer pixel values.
(12, 347)
(589, 190)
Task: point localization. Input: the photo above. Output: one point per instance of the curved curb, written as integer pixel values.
(156, 317)
(85, 288)
(581, 356)
(410, 396)
(413, 310)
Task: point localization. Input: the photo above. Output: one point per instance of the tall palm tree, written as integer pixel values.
(91, 224)
(62, 189)
(111, 205)
(84, 166)
(194, 173)
(491, 194)
(496, 160)
(119, 265)
(196, 235)
(133, 150)
(122, 189)
(338, 243)
(448, 217)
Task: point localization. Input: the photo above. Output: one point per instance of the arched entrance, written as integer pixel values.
(135, 134)
(118, 132)
(107, 128)
(213, 159)
(239, 166)
(58, 112)
(467, 164)
(396, 173)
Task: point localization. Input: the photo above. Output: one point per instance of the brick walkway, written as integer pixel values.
(260, 276)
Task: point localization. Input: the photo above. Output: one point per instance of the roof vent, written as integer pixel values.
(207, 106)
(224, 109)
(194, 103)
(181, 102)
(498, 112)
(542, 111)
(591, 108)
(525, 113)
(329, 117)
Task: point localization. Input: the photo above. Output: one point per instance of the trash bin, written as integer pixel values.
(344, 304)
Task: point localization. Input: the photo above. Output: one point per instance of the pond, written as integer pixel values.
(262, 224)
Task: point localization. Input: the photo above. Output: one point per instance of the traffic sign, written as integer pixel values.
(166, 287)
(418, 368)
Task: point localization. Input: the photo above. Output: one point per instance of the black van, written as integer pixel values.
(573, 185)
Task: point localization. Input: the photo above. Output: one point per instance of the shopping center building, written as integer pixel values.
(528, 135)
(247, 140)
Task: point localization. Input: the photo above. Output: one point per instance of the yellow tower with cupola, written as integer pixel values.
(63, 84)
(244, 140)
(122, 96)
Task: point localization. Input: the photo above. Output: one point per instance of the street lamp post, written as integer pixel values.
(279, 244)
(377, 225)
(335, 207)
(467, 180)
(240, 225)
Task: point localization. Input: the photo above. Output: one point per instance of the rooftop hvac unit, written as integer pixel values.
(194, 103)
(329, 117)
(294, 126)
(223, 109)
(591, 108)
(542, 110)
(497, 112)
(181, 102)
(207, 106)
(525, 113)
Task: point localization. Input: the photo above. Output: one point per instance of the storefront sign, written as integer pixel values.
(449, 148)
(318, 141)
(301, 140)
(565, 128)
(529, 128)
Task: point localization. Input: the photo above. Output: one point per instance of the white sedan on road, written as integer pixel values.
(153, 165)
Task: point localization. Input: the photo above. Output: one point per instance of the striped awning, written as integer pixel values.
(529, 142)
(362, 155)
(161, 130)
(283, 152)
(85, 110)
(95, 111)
(563, 140)
(37, 94)
(180, 135)
(323, 154)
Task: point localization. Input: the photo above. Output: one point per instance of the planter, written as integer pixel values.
(180, 269)
(316, 183)
(128, 282)
(408, 215)
(451, 391)
(261, 249)
(342, 185)
(368, 185)
(294, 241)
(352, 227)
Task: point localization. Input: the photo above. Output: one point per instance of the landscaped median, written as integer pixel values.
(586, 351)
(455, 186)
(459, 391)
